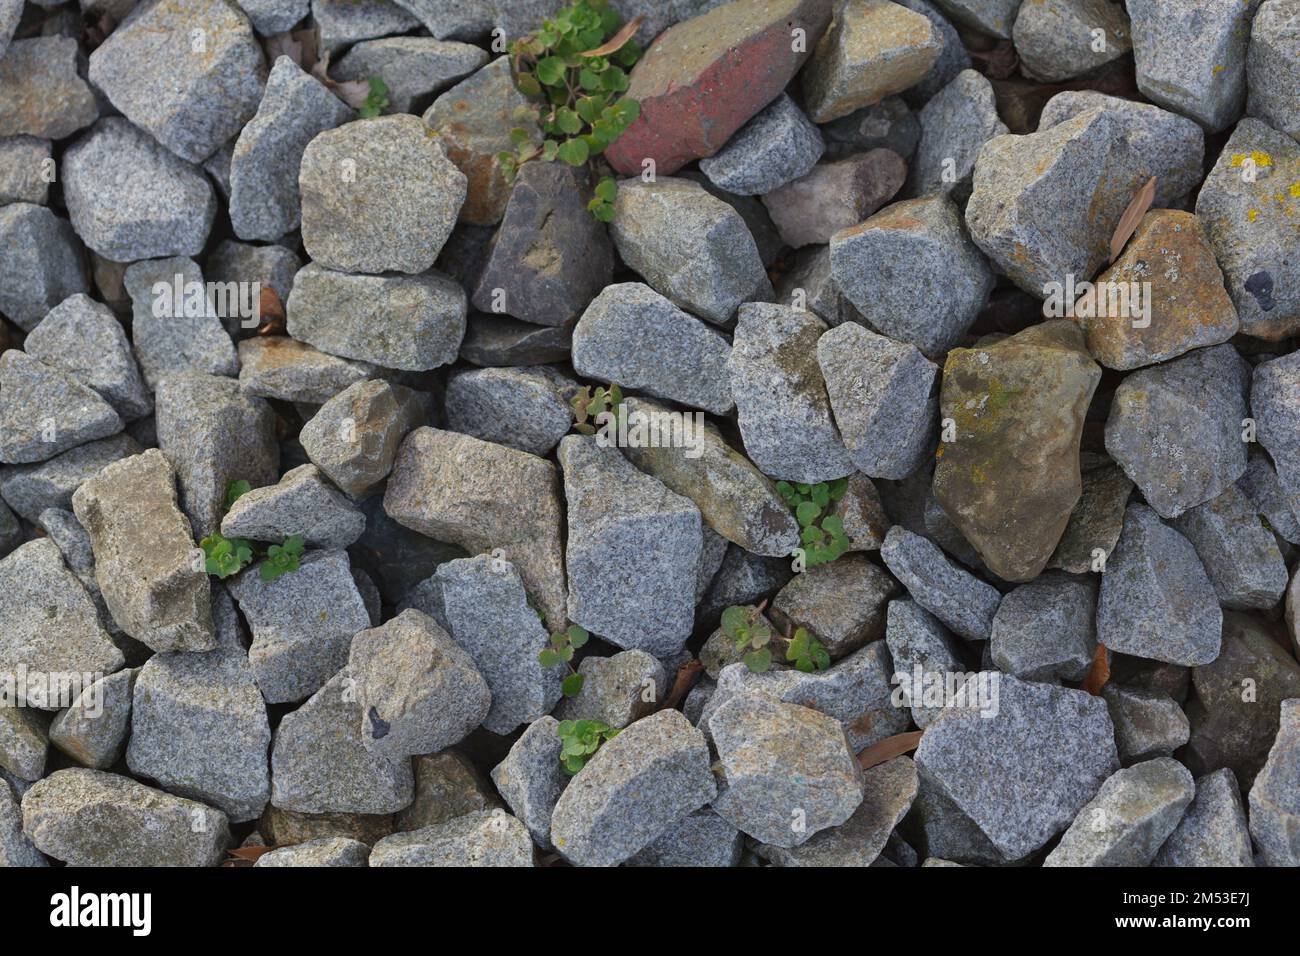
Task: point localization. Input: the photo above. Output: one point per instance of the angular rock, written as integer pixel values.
(483, 497)
(24, 742)
(320, 762)
(990, 17)
(955, 125)
(689, 246)
(835, 195)
(531, 778)
(701, 839)
(1096, 522)
(550, 257)
(862, 514)
(1265, 493)
(1146, 724)
(953, 58)
(42, 261)
(921, 646)
(42, 92)
(302, 503)
(522, 407)
(1176, 428)
(146, 562)
(378, 195)
(842, 603)
(93, 731)
(91, 818)
(331, 851)
(617, 690)
(270, 266)
(413, 68)
(632, 790)
(276, 366)
(1274, 389)
(30, 489)
(888, 124)
(485, 838)
(1274, 808)
(1045, 630)
(704, 78)
(632, 335)
(913, 273)
(1049, 747)
(1271, 66)
(1213, 830)
(46, 411)
(1130, 817)
(955, 596)
(777, 146)
(499, 340)
(175, 330)
(1156, 600)
(743, 578)
(1057, 39)
(15, 849)
(270, 17)
(1239, 554)
(649, 535)
(447, 786)
(343, 22)
(295, 107)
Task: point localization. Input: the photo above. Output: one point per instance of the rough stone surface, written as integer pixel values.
(30, 489)
(486, 838)
(842, 603)
(920, 645)
(778, 145)
(1147, 724)
(1262, 489)
(329, 851)
(1273, 74)
(1274, 807)
(447, 786)
(1156, 600)
(24, 742)
(1213, 830)
(343, 22)
(93, 731)
(1045, 630)
(991, 17)
(530, 778)
(524, 407)
(498, 340)
(41, 90)
(616, 690)
(955, 596)
(701, 839)
(42, 261)
(413, 68)
(1240, 555)
(47, 411)
(301, 503)
(1056, 39)
(276, 366)
(1274, 389)
(835, 195)
(15, 849)
(689, 246)
(173, 333)
(955, 125)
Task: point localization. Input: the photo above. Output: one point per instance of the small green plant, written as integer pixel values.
(561, 652)
(376, 100)
(582, 738)
(224, 557)
(807, 652)
(587, 405)
(752, 635)
(282, 558)
(575, 67)
(821, 534)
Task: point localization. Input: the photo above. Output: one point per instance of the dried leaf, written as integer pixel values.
(1128, 222)
(353, 92)
(615, 43)
(888, 749)
(687, 675)
(1099, 672)
(271, 312)
(250, 853)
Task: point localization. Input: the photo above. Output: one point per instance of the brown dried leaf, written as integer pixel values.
(888, 749)
(1099, 672)
(271, 312)
(1128, 222)
(353, 92)
(250, 853)
(687, 675)
(615, 43)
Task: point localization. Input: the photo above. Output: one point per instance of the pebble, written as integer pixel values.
(15, 849)
(330, 851)
(24, 173)
(1213, 829)
(835, 195)
(46, 411)
(42, 260)
(1057, 39)
(690, 247)
(42, 91)
(530, 778)
(171, 336)
(1045, 630)
(271, 17)
(1274, 810)
(809, 285)
(955, 125)
(447, 786)
(484, 838)
(1274, 388)
(413, 68)
(24, 742)
(842, 603)
(862, 514)
(953, 57)
(1240, 555)
(302, 503)
(1271, 66)
(94, 730)
(276, 366)
(1147, 724)
(917, 639)
(778, 145)
(617, 690)
(378, 195)
(524, 407)
(30, 489)
(913, 273)
(702, 839)
(1096, 521)
(955, 596)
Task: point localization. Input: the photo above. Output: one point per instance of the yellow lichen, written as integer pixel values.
(1252, 215)
(1262, 160)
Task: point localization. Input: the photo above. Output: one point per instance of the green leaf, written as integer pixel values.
(614, 79)
(838, 487)
(572, 685)
(565, 653)
(607, 189)
(518, 136)
(528, 84)
(567, 120)
(758, 661)
(733, 619)
(577, 635)
(235, 491)
(807, 513)
(548, 658)
(590, 107)
(550, 71)
(821, 495)
(549, 149)
(833, 525)
(603, 211)
(589, 79)
(574, 152)
(628, 54)
(627, 108)
(566, 728)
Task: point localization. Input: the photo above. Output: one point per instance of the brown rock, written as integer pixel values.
(835, 196)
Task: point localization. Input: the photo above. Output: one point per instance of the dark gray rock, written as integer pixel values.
(42, 260)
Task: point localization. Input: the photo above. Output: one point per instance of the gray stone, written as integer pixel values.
(713, 549)
(889, 789)
(1191, 57)
(42, 261)
(199, 728)
(92, 818)
(485, 610)
(1057, 39)
(955, 596)
(1274, 807)
(1045, 205)
(272, 266)
(861, 513)
(990, 17)
(320, 762)
(30, 489)
(1132, 814)
(524, 407)
(777, 146)
(394, 204)
(937, 825)
(633, 790)
(617, 690)
(632, 335)
(46, 411)
(499, 340)
(413, 68)
(1271, 66)
(1049, 748)
(647, 534)
(342, 22)
(1274, 390)
(418, 690)
(873, 49)
(302, 503)
(271, 17)
(276, 366)
(485, 838)
(1213, 830)
(913, 273)
(530, 778)
(15, 849)
(690, 247)
(888, 124)
(735, 499)
(955, 125)
(213, 434)
(328, 851)
(787, 772)
(884, 398)
(750, 209)
(550, 256)
(809, 284)
(94, 729)
(953, 58)
(354, 436)
(1095, 524)
(1249, 213)
(719, 649)
(11, 531)
(397, 321)
(288, 827)
(24, 741)
(701, 839)
(1045, 630)
(173, 331)
(146, 562)
(921, 646)
(295, 107)
(84, 339)
(484, 497)
(1240, 555)
(1171, 146)
(1147, 724)
(303, 624)
(42, 92)
(447, 786)
(1176, 428)
(25, 163)
(1156, 600)
(841, 602)
(743, 578)
(835, 195)
(1260, 484)
(191, 100)
(781, 401)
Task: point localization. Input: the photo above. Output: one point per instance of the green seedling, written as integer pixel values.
(821, 534)
(806, 652)
(582, 738)
(751, 634)
(588, 405)
(376, 100)
(282, 558)
(224, 557)
(560, 653)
